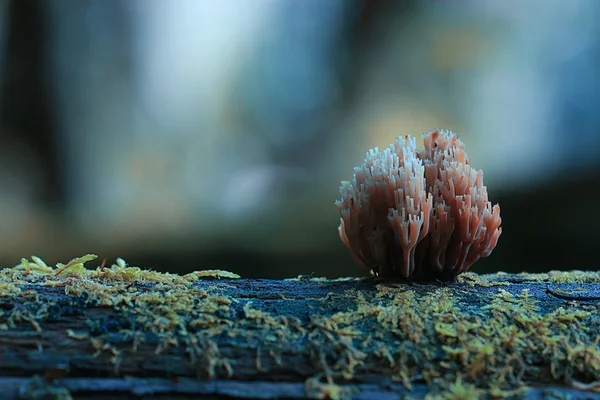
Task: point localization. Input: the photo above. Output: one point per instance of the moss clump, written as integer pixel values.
(8, 289)
(167, 306)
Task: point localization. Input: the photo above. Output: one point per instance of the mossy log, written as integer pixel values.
(126, 332)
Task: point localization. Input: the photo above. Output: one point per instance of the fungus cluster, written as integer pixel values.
(418, 214)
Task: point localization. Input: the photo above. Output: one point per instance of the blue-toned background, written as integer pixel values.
(194, 134)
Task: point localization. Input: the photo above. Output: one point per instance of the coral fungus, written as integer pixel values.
(418, 214)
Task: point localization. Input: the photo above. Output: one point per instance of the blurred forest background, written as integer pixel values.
(201, 134)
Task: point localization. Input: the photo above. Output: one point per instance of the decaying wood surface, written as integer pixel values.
(91, 336)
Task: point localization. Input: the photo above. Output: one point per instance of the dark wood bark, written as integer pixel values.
(262, 339)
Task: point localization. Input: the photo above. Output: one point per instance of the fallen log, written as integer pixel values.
(123, 331)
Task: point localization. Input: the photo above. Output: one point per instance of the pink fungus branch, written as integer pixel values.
(418, 214)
